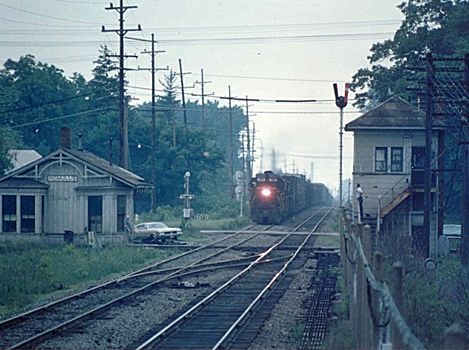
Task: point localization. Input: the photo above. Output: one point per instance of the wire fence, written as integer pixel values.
(375, 307)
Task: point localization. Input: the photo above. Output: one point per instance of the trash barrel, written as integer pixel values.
(68, 236)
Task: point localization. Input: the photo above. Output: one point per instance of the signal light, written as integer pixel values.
(341, 101)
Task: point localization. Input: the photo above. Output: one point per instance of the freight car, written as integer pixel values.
(274, 197)
(320, 195)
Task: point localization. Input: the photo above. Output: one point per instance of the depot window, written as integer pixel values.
(381, 159)
(9, 213)
(27, 214)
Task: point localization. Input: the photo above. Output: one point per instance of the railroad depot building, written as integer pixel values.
(70, 189)
(389, 157)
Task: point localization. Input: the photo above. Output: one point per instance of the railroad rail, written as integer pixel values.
(215, 321)
(37, 325)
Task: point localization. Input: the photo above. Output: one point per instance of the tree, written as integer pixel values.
(169, 104)
(202, 152)
(439, 27)
(8, 140)
(101, 97)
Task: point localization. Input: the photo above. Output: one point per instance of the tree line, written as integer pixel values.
(437, 27)
(37, 99)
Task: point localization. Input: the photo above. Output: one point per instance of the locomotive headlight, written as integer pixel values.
(266, 192)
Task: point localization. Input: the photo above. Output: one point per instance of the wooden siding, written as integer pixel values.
(61, 199)
(66, 203)
(70, 182)
(382, 185)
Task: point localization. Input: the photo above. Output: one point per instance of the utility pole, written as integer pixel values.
(464, 247)
(261, 156)
(123, 119)
(182, 91)
(153, 71)
(248, 145)
(243, 156)
(427, 199)
(341, 102)
(202, 83)
(253, 146)
(231, 165)
(274, 160)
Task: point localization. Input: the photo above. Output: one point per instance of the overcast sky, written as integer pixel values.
(267, 49)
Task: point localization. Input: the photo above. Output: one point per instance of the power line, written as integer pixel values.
(226, 110)
(51, 102)
(61, 117)
(276, 26)
(41, 24)
(291, 38)
(273, 78)
(43, 15)
(206, 41)
(284, 100)
(81, 2)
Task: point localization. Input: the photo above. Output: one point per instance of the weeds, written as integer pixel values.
(29, 271)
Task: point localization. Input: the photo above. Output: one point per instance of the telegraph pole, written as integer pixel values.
(464, 247)
(427, 199)
(253, 146)
(248, 143)
(153, 71)
(231, 141)
(123, 119)
(202, 83)
(182, 91)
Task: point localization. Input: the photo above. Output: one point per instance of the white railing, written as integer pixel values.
(390, 193)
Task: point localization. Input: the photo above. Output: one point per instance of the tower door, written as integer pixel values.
(418, 163)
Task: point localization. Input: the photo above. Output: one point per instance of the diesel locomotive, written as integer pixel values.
(275, 197)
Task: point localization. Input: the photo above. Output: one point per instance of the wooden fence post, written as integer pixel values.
(351, 258)
(360, 284)
(455, 338)
(375, 302)
(366, 323)
(397, 277)
(343, 258)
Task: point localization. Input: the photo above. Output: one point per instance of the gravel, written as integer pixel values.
(283, 329)
(122, 326)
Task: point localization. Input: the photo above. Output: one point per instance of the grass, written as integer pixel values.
(327, 242)
(340, 335)
(297, 332)
(29, 271)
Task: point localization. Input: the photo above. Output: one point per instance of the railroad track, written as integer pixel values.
(317, 307)
(35, 326)
(232, 314)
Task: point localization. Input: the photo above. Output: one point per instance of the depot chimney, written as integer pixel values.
(65, 137)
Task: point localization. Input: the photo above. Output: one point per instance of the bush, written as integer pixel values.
(217, 206)
(164, 213)
(435, 300)
(340, 337)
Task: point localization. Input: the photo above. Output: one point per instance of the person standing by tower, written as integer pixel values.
(359, 195)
